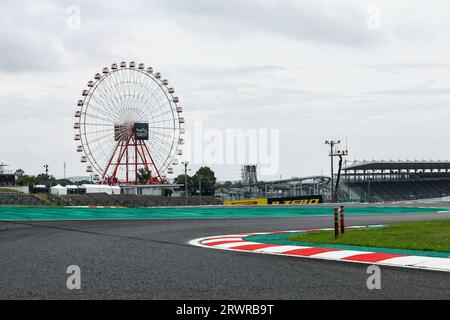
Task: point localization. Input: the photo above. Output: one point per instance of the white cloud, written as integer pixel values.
(315, 21)
(309, 68)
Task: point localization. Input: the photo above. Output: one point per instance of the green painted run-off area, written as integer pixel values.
(72, 213)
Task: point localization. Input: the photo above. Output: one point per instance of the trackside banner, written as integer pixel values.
(296, 200)
(245, 202)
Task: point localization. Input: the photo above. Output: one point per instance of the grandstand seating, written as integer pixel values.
(400, 190)
(395, 180)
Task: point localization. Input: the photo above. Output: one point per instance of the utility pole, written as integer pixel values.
(64, 170)
(185, 181)
(333, 154)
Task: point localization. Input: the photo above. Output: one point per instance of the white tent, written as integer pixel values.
(101, 188)
(115, 189)
(58, 189)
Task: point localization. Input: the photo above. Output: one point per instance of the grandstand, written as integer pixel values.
(7, 178)
(373, 181)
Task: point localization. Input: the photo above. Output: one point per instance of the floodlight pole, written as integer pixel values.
(332, 143)
(340, 154)
(200, 189)
(332, 170)
(46, 175)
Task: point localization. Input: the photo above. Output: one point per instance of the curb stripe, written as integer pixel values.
(216, 243)
(278, 249)
(235, 242)
(255, 246)
(372, 257)
(405, 261)
(308, 251)
(229, 236)
(212, 241)
(340, 254)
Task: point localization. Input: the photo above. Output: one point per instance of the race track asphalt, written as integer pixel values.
(151, 259)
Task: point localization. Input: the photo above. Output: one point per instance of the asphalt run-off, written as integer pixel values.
(128, 257)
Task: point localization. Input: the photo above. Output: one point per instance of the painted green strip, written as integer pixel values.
(282, 238)
(68, 213)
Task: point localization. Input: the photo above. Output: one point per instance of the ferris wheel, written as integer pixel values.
(128, 123)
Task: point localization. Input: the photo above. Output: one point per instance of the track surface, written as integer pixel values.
(152, 259)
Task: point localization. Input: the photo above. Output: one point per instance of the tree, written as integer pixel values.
(181, 180)
(28, 180)
(167, 192)
(144, 175)
(63, 182)
(227, 184)
(46, 179)
(208, 178)
(19, 173)
(81, 182)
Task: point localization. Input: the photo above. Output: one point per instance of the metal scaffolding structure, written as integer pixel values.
(296, 186)
(248, 175)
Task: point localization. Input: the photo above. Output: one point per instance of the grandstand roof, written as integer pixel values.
(399, 165)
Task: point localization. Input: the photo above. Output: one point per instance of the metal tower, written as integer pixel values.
(248, 175)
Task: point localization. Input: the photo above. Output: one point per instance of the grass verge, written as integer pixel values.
(421, 235)
(6, 190)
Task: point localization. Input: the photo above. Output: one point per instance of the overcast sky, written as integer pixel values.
(376, 72)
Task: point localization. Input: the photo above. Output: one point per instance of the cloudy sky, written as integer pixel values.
(374, 72)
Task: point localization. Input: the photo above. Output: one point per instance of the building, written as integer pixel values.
(152, 189)
(7, 178)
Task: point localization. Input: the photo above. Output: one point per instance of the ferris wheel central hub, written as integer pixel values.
(129, 125)
(123, 131)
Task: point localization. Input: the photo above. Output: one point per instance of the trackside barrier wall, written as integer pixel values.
(278, 201)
